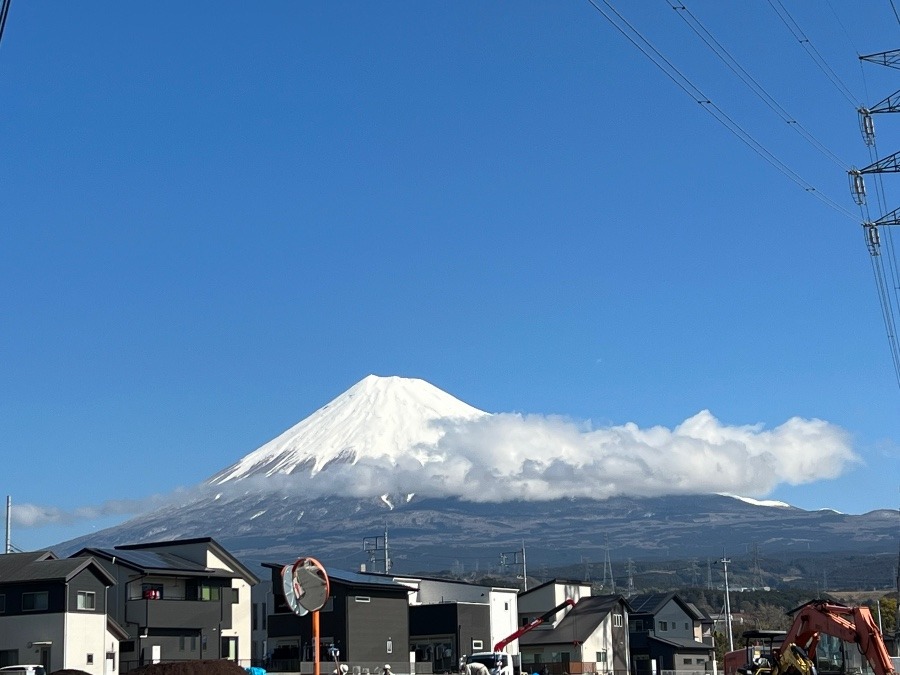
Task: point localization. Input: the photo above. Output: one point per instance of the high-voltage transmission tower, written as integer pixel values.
(887, 284)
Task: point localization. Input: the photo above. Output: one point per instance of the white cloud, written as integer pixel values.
(33, 515)
(505, 457)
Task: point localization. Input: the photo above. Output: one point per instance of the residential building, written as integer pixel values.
(540, 599)
(591, 637)
(53, 612)
(667, 634)
(365, 618)
(178, 600)
(450, 618)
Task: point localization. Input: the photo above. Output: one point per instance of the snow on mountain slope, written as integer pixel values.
(377, 418)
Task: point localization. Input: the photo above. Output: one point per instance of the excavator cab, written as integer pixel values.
(757, 656)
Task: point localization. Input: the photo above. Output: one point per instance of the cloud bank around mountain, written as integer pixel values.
(508, 456)
(505, 457)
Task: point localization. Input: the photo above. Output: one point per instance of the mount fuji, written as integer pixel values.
(449, 481)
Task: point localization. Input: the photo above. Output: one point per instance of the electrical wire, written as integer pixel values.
(4, 12)
(665, 65)
(807, 44)
(725, 56)
(896, 15)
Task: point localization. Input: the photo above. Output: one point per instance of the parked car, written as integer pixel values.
(23, 670)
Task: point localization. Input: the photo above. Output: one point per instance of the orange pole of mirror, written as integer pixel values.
(315, 641)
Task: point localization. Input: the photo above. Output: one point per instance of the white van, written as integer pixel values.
(23, 670)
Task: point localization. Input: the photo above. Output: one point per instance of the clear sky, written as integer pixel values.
(219, 216)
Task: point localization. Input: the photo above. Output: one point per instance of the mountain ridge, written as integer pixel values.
(451, 481)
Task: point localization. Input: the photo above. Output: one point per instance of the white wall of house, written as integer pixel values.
(111, 643)
(504, 617)
(241, 621)
(86, 640)
(600, 641)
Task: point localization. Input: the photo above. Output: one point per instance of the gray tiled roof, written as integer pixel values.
(578, 624)
(156, 562)
(42, 566)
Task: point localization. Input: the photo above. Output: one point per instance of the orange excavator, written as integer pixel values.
(797, 653)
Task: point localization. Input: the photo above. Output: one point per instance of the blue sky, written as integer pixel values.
(220, 216)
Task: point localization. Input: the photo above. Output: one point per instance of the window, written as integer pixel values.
(3, 605)
(152, 591)
(86, 600)
(127, 646)
(111, 659)
(601, 657)
(264, 612)
(664, 625)
(235, 596)
(9, 657)
(90, 659)
(208, 593)
(255, 623)
(477, 645)
(362, 598)
(34, 602)
(617, 620)
(687, 626)
(181, 643)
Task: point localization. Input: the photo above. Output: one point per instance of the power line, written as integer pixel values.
(4, 12)
(668, 68)
(807, 44)
(732, 63)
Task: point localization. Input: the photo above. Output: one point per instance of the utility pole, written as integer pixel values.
(725, 562)
(8, 547)
(377, 548)
(515, 559)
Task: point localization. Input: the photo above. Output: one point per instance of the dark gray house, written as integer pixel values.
(365, 617)
(54, 613)
(667, 634)
(178, 600)
(441, 633)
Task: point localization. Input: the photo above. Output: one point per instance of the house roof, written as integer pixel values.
(209, 542)
(578, 624)
(115, 628)
(652, 603)
(417, 577)
(44, 566)
(354, 578)
(564, 582)
(684, 644)
(152, 562)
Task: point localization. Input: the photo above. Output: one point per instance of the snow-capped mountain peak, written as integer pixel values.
(378, 417)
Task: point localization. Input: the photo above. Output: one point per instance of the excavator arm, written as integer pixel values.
(850, 624)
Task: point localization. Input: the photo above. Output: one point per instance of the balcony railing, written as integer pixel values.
(178, 613)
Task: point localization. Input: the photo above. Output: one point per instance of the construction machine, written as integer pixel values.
(499, 662)
(820, 624)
